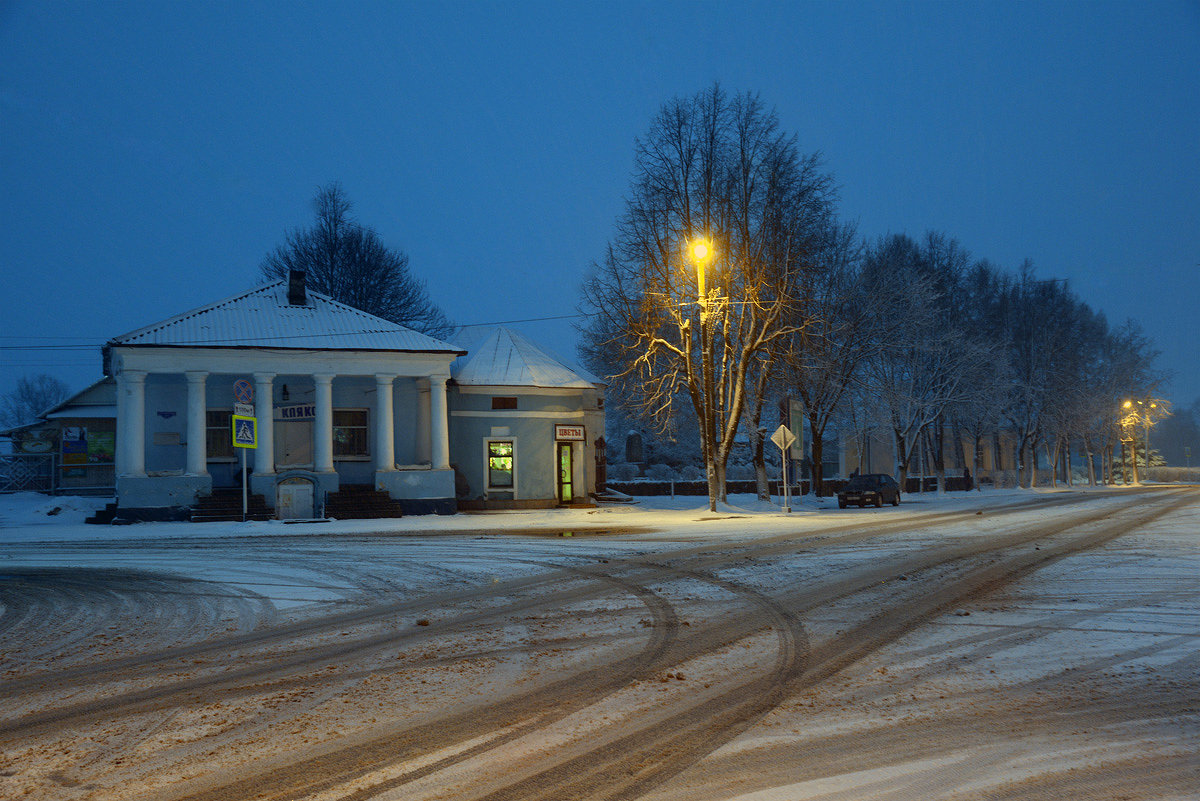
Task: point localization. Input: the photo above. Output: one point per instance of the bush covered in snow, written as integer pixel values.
(662, 472)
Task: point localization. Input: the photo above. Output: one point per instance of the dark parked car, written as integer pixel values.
(870, 488)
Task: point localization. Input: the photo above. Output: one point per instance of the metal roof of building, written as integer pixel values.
(262, 318)
(500, 357)
(96, 400)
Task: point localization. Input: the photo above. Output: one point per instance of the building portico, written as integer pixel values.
(340, 397)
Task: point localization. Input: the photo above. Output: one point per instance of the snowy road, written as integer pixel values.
(1017, 647)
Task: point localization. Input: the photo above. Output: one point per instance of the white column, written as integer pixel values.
(385, 426)
(424, 454)
(197, 424)
(323, 424)
(264, 410)
(439, 432)
(133, 421)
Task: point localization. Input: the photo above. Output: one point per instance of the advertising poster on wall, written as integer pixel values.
(101, 447)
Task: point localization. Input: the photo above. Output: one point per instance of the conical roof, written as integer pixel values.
(500, 357)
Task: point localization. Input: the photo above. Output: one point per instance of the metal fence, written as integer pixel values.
(43, 472)
(28, 472)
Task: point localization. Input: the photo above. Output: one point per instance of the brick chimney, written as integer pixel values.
(296, 293)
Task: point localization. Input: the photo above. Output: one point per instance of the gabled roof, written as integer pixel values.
(500, 357)
(97, 400)
(262, 318)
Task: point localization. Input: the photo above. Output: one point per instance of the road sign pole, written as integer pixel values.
(245, 495)
(787, 491)
(784, 438)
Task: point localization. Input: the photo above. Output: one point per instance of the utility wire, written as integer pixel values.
(95, 344)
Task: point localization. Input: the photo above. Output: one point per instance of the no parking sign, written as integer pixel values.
(243, 391)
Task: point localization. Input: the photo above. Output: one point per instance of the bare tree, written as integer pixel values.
(32, 396)
(977, 417)
(668, 332)
(348, 261)
(925, 364)
(826, 356)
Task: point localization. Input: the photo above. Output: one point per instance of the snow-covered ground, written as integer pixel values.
(1001, 644)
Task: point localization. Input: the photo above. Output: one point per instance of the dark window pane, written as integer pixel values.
(504, 403)
(218, 434)
(349, 432)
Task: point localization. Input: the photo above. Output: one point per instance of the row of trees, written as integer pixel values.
(917, 338)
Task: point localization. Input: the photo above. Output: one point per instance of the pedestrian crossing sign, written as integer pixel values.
(245, 431)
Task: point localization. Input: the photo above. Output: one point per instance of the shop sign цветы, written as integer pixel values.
(569, 433)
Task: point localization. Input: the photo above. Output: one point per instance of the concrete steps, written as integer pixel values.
(361, 502)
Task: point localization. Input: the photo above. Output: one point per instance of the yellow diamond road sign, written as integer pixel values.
(783, 438)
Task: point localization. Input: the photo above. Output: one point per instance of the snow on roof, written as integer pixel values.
(262, 318)
(98, 399)
(500, 357)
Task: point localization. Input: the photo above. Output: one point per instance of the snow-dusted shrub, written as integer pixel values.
(739, 472)
(1004, 479)
(691, 473)
(662, 472)
(622, 471)
(1172, 474)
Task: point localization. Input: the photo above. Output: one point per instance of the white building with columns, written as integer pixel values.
(340, 397)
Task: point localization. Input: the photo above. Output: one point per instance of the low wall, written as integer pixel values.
(697, 487)
(831, 486)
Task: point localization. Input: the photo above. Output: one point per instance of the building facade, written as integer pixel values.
(333, 398)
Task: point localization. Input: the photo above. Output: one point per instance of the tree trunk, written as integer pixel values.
(1067, 474)
(1027, 471)
(1052, 459)
(901, 461)
(816, 472)
(1091, 464)
(997, 458)
(976, 457)
(710, 469)
(934, 444)
(960, 447)
(937, 445)
(762, 480)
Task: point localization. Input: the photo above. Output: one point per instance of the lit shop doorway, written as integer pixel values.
(566, 472)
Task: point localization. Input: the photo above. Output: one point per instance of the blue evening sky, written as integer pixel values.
(152, 153)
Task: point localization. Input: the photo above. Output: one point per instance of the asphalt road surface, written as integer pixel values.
(1044, 650)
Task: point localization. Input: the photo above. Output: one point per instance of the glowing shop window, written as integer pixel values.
(500, 463)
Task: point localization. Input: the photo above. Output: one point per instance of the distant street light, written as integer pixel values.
(1145, 412)
(1128, 424)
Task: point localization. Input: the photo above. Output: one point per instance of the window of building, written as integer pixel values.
(500, 453)
(349, 432)
(504, 403)
(218, 433)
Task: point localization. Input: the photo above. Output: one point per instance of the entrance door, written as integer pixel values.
(566, 473)
(293, 443)
(294, 499)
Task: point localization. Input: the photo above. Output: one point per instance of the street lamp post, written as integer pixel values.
(1145, 413)
(1129, 434)
(701, 253)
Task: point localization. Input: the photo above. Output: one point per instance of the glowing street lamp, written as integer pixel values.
(1147, 412)
(1128, 424)
(701, 252)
